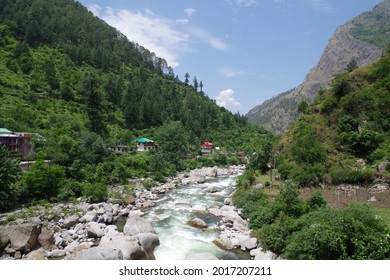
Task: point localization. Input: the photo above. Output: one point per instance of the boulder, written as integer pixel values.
(70, 221)
(148, 241)
(46, 239)
(99, 253)
(94, 230)
(268, 255)
(249, 244)
(135, 225)
(198, 223)
(90, 216)
(129, 199)
(4, 241)
(201, 256)
(39, 254)
(129, 245)
(211, 189)
(22, 237)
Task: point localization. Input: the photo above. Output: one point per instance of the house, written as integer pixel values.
(206, 148)
(19, 142)
(144, 144)
(119, 148)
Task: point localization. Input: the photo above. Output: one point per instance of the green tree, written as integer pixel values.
(43, 181)
(9, 172)
(172, 139)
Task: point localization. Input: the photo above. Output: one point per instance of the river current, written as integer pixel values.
(173, 211)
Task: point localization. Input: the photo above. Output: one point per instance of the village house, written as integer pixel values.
(19, 142)
(119, 148)
(144, 144)
(206, 148)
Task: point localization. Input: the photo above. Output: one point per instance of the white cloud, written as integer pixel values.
(321, 5)
(182, 20)
(190, 12)
(95, 9)
(231, 73)
(225, 99)
(148, 30)
(210, 39)
(243, 3)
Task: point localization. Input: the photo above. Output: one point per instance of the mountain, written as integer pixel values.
(361, 40)
(343, 136)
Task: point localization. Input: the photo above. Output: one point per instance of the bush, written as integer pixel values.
(95, 192)
(43, 181)
(340, 175)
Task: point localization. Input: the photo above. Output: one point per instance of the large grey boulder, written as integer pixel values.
(148, 241)
(99, 253)
(94, 230)
(129, 245)
(136, 224)
(23, 237)
(198, 223)
(70, 221)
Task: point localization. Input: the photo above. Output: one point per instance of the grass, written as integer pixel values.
(384, 213)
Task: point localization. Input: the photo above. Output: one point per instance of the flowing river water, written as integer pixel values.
(172, 212)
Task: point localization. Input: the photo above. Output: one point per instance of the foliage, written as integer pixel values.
(96, 192)
(9, 172)
(43, 181)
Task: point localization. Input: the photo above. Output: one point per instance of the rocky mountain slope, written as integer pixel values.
(362, 39)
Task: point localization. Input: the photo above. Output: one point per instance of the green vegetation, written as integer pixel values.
(84, 87)
(303, 230)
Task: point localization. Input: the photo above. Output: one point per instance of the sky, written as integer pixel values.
(244, 51)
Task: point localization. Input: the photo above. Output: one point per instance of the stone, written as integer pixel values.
(35, 221)
(136, 224)
(249, 244)
(90, 216)
(148, 241)
(99, 253)
(94, 230)
(70, 221)
(198, 223)
(129, 245)
(268, 255)
(129, 199)
(211, 189)
(39, 254)
(227, 201)
(46, 239)
(71, 247)
(22, 237)
(4, 241)
(201, 256)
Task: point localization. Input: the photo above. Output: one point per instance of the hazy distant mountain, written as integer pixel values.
(362, 39)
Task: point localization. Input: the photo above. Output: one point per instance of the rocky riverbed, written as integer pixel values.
(83, 230)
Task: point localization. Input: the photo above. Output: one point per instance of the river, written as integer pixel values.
(172, 212)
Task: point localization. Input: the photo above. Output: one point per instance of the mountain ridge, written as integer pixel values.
(348, 43)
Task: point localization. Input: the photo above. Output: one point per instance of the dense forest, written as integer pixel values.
(83, 87)
(341, 138)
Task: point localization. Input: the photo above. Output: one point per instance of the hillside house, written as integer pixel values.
(119, 148)
(206, 148)
(144, 144)
(19, 142)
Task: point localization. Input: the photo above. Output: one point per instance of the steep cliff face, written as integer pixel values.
(362, 39)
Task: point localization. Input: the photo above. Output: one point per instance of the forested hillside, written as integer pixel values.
(82, 86)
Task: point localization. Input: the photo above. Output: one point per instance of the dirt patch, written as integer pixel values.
(341, 196)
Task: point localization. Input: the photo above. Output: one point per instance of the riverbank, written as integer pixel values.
(86, 230)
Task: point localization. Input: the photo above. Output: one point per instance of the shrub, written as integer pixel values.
(95, 192)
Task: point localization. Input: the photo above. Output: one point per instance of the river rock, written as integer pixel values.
(198, 223)
(22, 237)
(148, 241)
(70, 221)
(249, 244)
(135, 225)
(211, 189)
(99, 253)
(94, 230)
(38, 254)
(46, 239)
(129, 245)
(201, 256)
(268, 255)
(90, 216)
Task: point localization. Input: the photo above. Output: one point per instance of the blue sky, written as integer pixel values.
(243, 51)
